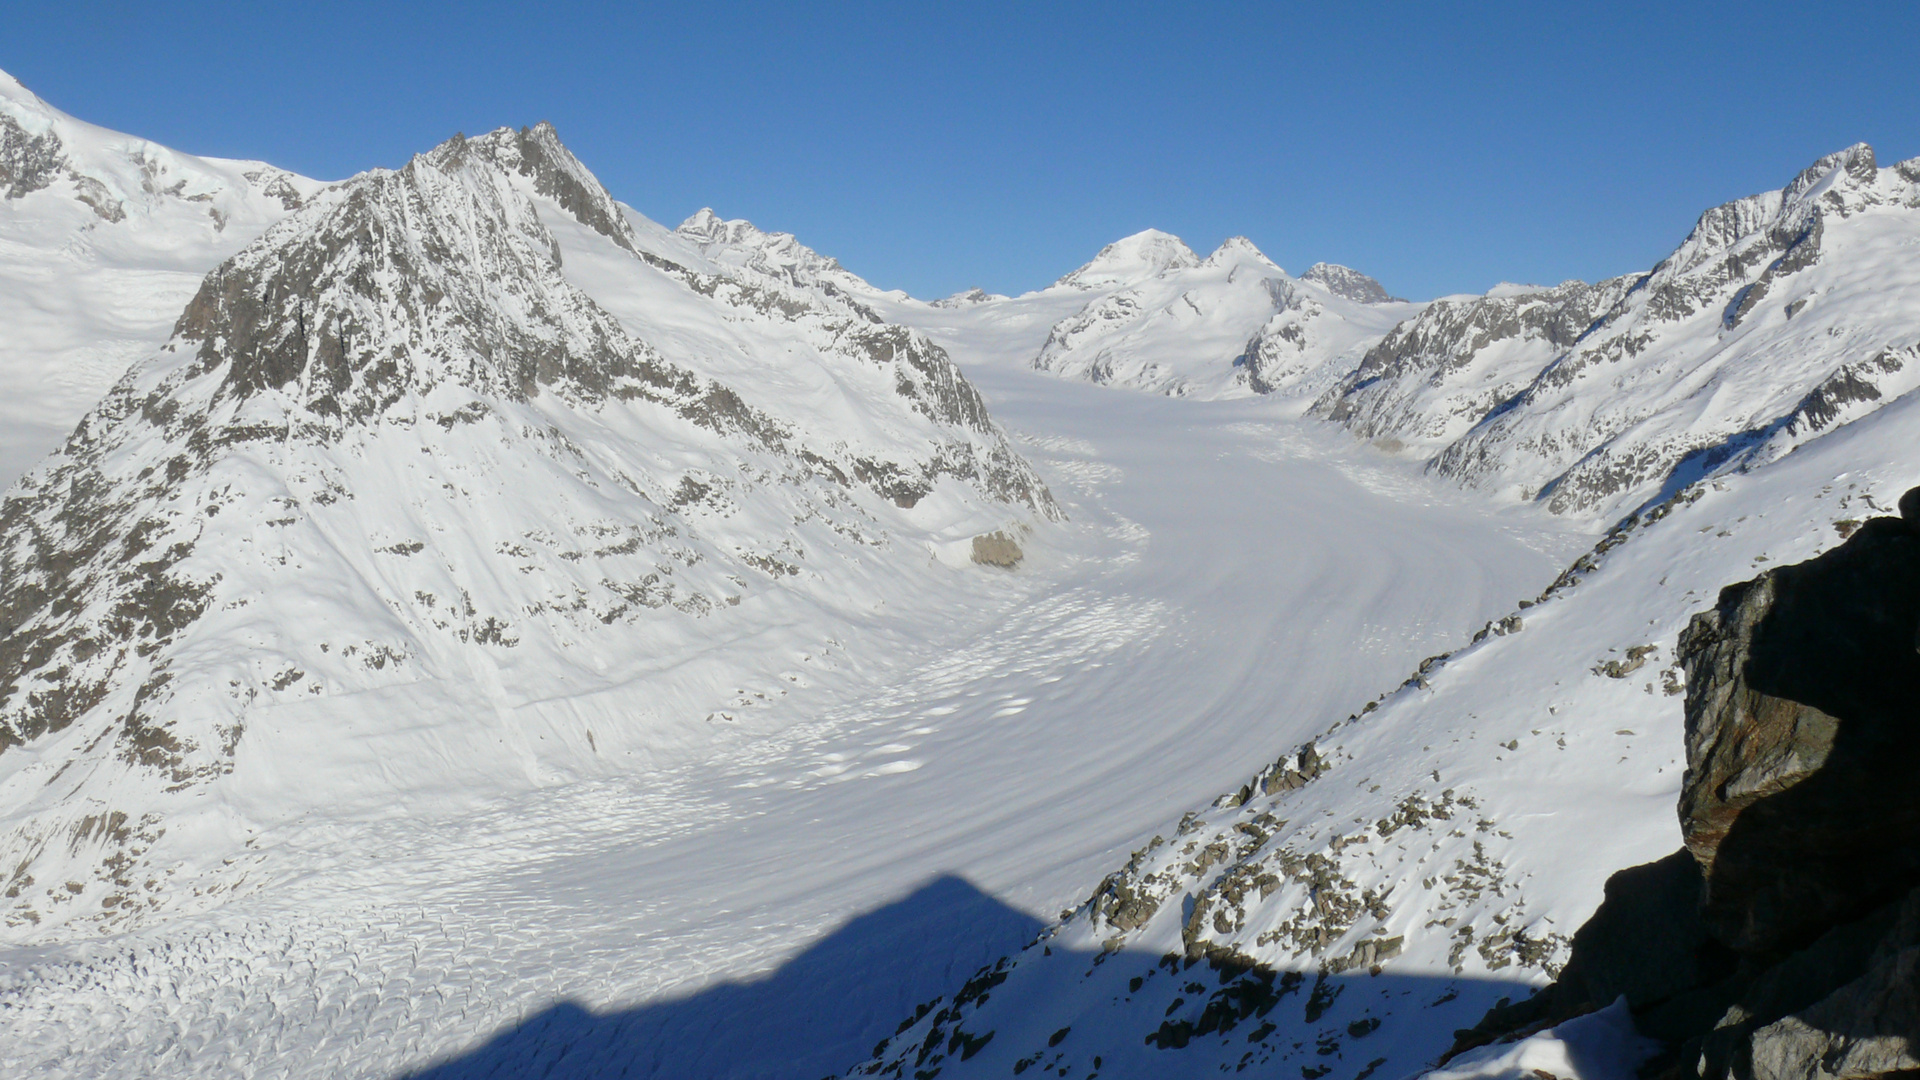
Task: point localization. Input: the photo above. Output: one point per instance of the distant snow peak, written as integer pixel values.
(1144, 255)
(967, 298)
(707, 227)
(1348, 283)
(1235, 250)
(1231, 324)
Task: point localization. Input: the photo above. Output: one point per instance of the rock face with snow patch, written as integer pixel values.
(1780, 315)
(1781, 942)
(1436, 375)
(394, 462)
(1349, 284)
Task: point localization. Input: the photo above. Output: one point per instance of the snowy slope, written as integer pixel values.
(1778, 316)
(103, 239)
(400, 512)
(775, 899)
(1364, 896)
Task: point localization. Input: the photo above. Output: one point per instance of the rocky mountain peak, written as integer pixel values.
(408, 376)
(436, 273)
(1855, 163)
(1348, 283)
(538, 154)
(707, 227)
(740, 244)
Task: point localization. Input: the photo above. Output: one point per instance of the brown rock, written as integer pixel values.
(1803, 735)
(997, 549)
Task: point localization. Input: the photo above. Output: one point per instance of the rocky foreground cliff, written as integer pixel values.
(1781, 942)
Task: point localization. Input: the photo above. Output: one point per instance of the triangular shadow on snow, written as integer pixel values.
(819, 1013)
(825, 1010)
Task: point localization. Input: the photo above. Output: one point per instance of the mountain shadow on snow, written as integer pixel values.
(858, 990)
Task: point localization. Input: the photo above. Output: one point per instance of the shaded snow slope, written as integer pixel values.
(1780, 315)
(401, 513)
(103, 239)
(1367, 894)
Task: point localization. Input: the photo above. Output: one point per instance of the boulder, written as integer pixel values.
(1870, 1027)
(997, 549)
(1802, 735)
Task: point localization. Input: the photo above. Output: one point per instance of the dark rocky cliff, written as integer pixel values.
(1783, 940)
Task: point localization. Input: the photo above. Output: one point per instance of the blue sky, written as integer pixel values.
(1442, 148)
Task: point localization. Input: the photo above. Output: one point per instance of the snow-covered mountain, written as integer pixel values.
(426, 476)
(1780, 315)
(103, 239)
(1231, 323)
(1146, 313)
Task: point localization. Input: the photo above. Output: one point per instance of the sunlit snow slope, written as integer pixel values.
(1022, 734)
(103, 239)
(400, 512)
(1381, 885)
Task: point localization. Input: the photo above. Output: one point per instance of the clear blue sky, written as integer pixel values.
(1440, 147)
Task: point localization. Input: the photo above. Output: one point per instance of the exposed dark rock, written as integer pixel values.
(1783, 942)
(28, 162)
(536, 153)
(1349, 283)
(1868, 1027)
(1803, 688)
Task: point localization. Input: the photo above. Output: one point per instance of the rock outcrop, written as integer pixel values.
(1781, 942)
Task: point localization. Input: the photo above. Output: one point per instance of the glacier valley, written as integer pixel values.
(452, 625)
